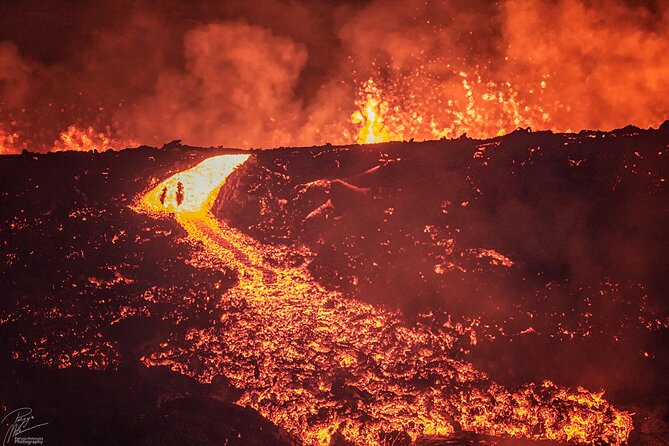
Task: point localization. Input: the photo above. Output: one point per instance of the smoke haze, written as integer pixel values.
(271, 73)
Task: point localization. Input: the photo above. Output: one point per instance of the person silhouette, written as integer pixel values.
(180, 193)
(163, 195)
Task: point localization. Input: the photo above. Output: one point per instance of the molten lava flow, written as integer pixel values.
(200, 186)
(323, 366)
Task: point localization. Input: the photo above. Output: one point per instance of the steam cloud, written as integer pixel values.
(288, 73)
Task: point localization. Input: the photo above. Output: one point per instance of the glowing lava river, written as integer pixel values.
(327, 368)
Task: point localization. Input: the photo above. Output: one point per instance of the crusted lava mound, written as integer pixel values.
(552, 245)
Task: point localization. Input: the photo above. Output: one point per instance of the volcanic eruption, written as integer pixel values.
(375, 223)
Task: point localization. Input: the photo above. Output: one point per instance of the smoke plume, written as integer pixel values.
(279, 72)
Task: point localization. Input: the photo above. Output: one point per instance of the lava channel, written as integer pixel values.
(326, 367)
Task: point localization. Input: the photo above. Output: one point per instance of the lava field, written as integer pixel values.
(508, 291)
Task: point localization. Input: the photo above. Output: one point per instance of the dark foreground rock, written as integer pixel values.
(132, 406)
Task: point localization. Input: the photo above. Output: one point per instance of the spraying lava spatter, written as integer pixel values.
(370, 117)
(324, 366)
(415, 106)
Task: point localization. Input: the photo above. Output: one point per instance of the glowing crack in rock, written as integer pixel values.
(323, 366)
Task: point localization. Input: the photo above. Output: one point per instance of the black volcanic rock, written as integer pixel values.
(555, 205)
(131, 406)
(540, 237)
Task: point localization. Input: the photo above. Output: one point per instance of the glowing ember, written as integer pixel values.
(9, 141)
(322, 366)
